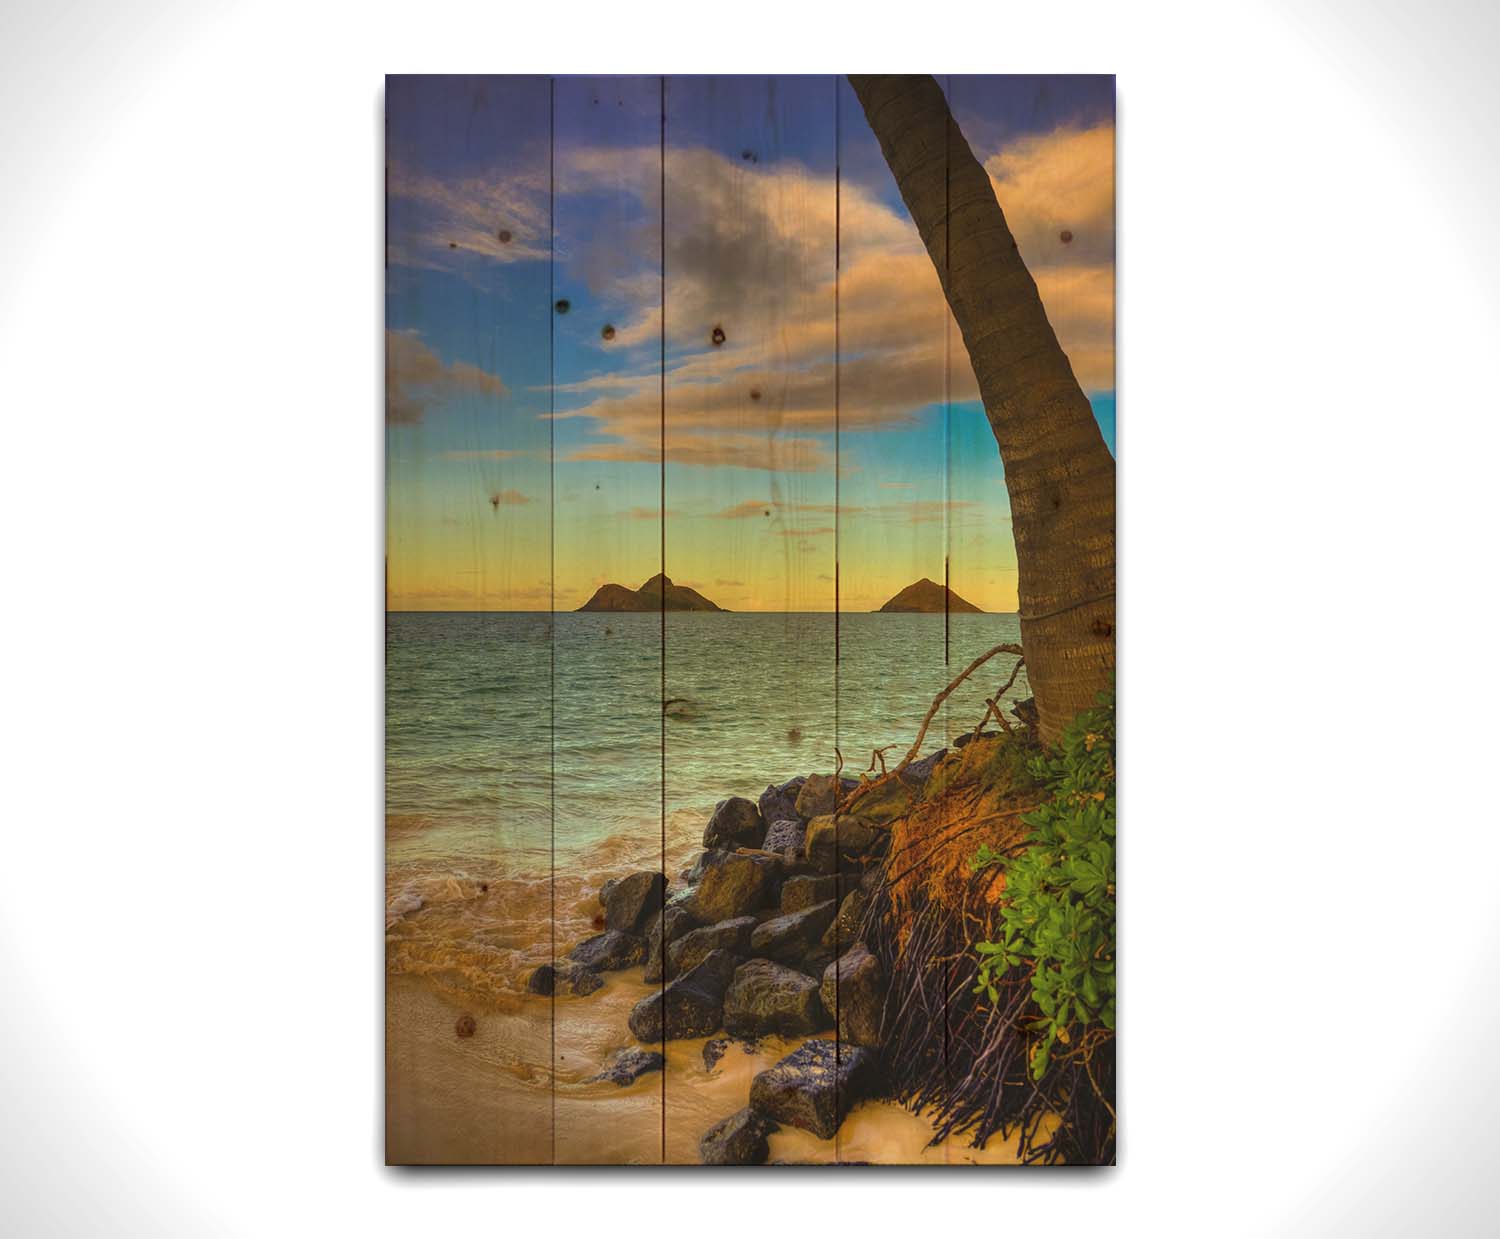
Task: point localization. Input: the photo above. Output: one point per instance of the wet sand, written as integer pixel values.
(491, 1098)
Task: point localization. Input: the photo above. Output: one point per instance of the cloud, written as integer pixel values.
(451, 224)
(416, 379)
(508, 498)
(750, 250)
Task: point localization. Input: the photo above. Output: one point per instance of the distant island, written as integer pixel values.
(649, 597)
(928, 596)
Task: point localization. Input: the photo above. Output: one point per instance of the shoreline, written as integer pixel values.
(519, 1084)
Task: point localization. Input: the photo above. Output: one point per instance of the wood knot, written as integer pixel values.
(1102, 628)
(609, 331)
(504, 236)
(563, 305)
(465, 1026)
(718, 336)
(1066, 236)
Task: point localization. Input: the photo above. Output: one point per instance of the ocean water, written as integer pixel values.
(528, 755)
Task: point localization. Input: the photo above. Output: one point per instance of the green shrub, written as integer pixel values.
(1058, 912)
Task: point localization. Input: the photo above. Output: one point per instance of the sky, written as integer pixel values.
(574, 289)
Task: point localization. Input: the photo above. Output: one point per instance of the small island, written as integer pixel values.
(649, 597)
(928, 597)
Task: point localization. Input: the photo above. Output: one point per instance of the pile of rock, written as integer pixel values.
(760, 938)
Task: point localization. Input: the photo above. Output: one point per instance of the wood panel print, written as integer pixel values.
(750, 620)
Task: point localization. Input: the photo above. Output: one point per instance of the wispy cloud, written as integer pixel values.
(416, 378)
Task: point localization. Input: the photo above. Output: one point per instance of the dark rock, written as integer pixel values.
(546, 979)
(854, 987)
(733, 887)
(765, 998)
(706, 861)
(604, 891)
(814, 1086)
(691, 1006)
(1027, 712)
(779, 804)
(693, 948)
(609, 951)
(586, 981)
(788, 938)
(917, 774)
(633, 901)
(543, 980)
(736, 823)
(869, 880)
(713, 1051)
(739, 1140)
(817, 960)
(846, 925)
(831, 842)
(629, 1065)
(799, 894)
(674, 923)
(961, 741)
(816, 796)
(785, 835)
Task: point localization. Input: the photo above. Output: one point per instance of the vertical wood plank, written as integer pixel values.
(468, 638)
(750, 489)
(892, 465)
(608, 739)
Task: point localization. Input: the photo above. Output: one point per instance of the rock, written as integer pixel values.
(788, 938)
(628, 1065)
(609, 951)
(816, 796)
(604, 891)
(543, 980)
(586, 981)
(817, 960)
(870, 879)
(546, 979)
(713, 1051)
(633, 901)
(739, 1140)
(778, 804)
(691, 1006)
(733, 887)
(675, 922)
(814, 1086)
(766, 997)
(854, 987)
(916, 775)
(1028, 714)
(830, 841)
(706, 861)
(785, 835)
(799, 894)
(736, 823)
(846, 925)
(692, 949)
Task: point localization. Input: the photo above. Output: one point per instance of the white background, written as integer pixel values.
(189, 379)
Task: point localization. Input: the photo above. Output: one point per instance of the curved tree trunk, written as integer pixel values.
(1060, 475)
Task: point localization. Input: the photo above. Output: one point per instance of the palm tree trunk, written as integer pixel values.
(1060, 475)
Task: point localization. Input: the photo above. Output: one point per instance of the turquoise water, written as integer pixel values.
(513, 739)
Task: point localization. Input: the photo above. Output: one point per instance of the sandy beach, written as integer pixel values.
(490, 1098)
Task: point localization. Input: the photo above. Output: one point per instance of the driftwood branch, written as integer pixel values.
(868, 785)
